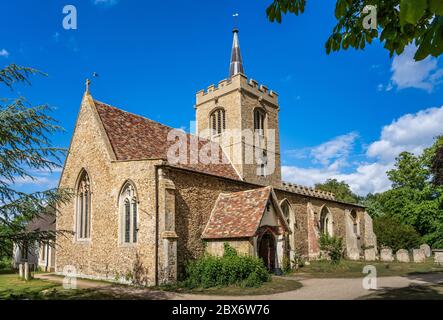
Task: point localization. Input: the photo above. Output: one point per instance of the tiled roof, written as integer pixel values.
(133, 137)
(237, 215)
(308, 191)
(45, 222)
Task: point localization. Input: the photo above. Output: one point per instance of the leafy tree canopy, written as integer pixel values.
(399, 23)
(413, 200)
(24, 149)
(341, 190)
(410, 171)
(437, 164)
(392, 233)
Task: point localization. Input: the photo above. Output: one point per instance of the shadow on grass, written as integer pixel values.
(108, 293)
(413, 292)
(6, 271)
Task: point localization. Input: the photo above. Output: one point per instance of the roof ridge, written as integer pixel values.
(156, 122)
(128, 131)
(244, 191)
(135, 114)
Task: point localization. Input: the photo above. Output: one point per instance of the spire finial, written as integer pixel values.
(236, 65)
(235, 15)
(88, 83)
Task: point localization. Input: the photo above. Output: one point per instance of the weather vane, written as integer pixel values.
(88, 82)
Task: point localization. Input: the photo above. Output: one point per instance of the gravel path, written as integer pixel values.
(331, 289)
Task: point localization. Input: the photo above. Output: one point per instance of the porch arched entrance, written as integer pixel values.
(266, 250)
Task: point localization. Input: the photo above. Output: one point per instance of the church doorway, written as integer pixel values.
(266, 250)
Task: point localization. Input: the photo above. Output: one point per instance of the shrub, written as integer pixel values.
(5, 264)
(286, 264)
(230, 269)
(391, 232)
(332, 246)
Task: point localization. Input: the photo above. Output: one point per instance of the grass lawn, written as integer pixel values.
(11, 287)
(353, 269)
(276, 285)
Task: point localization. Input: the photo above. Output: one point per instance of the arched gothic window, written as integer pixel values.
(218, 121)
(129, 214)
(83, 207)
(259, 121)
(326, 226)
(286, 213)
(290, 220)
(355, 222)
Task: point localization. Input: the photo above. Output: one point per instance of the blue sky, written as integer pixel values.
(344, 115)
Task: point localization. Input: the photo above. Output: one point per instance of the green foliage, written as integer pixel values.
(414, 200)
(230, 269)
(229, 251)
(373, 205)
(341, 190)
(409, 172)
(399, 23)
(392, 233)
(437, 164)
(25, 148)
(332, 246)
(286, 264)
(14, 73)
(5, 263)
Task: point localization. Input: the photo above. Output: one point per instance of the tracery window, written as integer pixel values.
(129, 214)
(84, 207)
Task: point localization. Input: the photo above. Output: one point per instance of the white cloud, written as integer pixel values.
(329, 152)
(4, 53)
(335, 149)
(365, 179)
(40, 182)
(105, 2)
(411, 132)
(408, 73)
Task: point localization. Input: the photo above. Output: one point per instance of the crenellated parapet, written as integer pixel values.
(308, 191)
(238, 82)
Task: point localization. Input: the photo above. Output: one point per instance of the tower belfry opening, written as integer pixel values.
(242, 116)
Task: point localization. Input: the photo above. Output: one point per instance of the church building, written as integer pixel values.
(150, 198)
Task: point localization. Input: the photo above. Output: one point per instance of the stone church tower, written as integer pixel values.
(242, 116)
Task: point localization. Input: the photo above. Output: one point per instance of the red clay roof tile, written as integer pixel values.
(237, 215)
(133, 137)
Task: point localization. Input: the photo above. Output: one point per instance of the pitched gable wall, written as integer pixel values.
(103, 256)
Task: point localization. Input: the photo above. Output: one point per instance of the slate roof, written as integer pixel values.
(237, 215)
(133, 137)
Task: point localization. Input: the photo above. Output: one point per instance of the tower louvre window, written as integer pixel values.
(218, 121)
(259, 121)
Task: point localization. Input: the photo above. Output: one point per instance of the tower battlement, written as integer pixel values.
(238, 82)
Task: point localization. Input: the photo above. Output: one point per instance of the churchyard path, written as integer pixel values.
(332, 289)
(313, 288)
